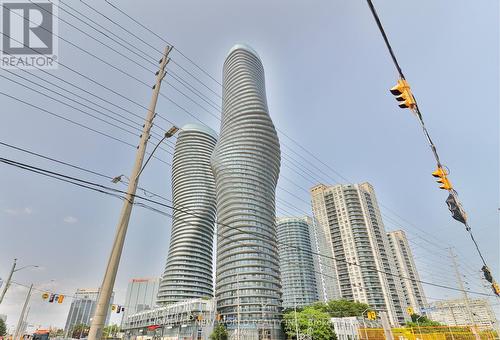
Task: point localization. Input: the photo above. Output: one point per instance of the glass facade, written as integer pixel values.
(413, 293)
(296, 262)
(188, 272)
(82, 309)
(352, 216)
(246, 163)
(141, 295)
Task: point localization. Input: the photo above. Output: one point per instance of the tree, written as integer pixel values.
(110, 331)
(56, 332)
(219, 333)
(80, 331)
(309, 321)
(421, 321)
(3, 328)
(341, 308)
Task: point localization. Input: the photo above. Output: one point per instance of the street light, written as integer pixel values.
(364, 324)
(12, 271)
(418, 325)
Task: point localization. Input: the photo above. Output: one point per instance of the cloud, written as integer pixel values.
(70, 220)
(24, 211)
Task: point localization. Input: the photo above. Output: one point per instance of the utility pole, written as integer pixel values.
(23, 312)
(7, 283)
(462, 288)
(108, 282)
(238, 306)
(296, 322)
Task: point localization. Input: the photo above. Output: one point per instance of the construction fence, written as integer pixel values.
(429, 333)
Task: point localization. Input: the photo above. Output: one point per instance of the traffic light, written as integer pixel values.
(60, 299)
(45, 296)
(371, 315)
(487, 274)
(410, 311)
(496, 288)
(443, 179)
(403, 95)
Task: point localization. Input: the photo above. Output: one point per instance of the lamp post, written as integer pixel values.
(296, 323)
(364, 324)
(418, 325)
(12, 271)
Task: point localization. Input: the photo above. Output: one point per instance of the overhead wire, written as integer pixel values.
(418, 113)
(100, 188)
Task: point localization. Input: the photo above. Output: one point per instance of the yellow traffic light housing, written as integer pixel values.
(443, 179)
(403, 95)
(496, 288)
(371, 315)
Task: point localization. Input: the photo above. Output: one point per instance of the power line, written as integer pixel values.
(299, 145)
(281, 132)
(116, 192)
(76, 123)
(416, 110)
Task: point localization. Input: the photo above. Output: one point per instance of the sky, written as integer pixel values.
(327, 79)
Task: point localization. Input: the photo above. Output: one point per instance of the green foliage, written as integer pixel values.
(341, 308)
(421, 321)
(3, 328)
(219, 333)
(111, 331)
(56, 332)
(310, 321)
(80, 331)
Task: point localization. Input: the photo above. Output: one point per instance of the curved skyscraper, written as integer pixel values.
(298, 274)
(188, 272)
(246, 163)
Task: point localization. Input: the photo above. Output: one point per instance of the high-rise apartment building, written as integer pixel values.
(82, 309)
(141, 295)
(455, 313)
(351, 216)
(188, 272)
(324, 264)
(246, 164)
(298, 275)
(413, 293)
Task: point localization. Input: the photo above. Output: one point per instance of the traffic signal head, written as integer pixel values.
(443, 179)
(60, 299)
(487, 274)
(403, 95)
(371, 315)
(496, 288)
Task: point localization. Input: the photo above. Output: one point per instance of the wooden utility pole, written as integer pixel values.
(108, 282)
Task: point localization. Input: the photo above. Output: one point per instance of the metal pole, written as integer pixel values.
(108, 282)
(21, 317)
(418, 325)
(364, 323)
(238, 306)
(466, 297)
(296, 323)
(7, 283)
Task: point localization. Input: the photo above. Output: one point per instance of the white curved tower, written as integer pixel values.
(246, 163)
(188, 272)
